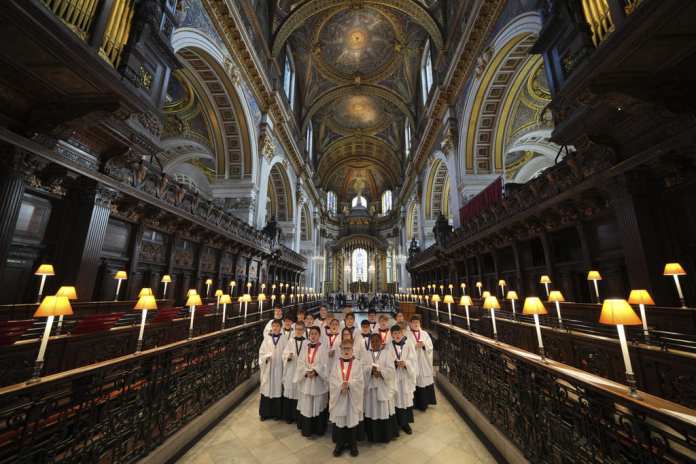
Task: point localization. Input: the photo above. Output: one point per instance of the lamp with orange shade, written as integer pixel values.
(642, 298)
(512, 296)
(166, 279)
(595, 277)
(193, 301)
(145, 303)
(69, 292)
(120, 276)
(44, 270)
(534, 306)
(491, 303)
(224, 301)
(546, 280)
(619, 313)
(449, 299)
(145, 291)
(486, 294)
(50, 307)
(436, 300)
(557, 297)
(675, 270)
(465, 301)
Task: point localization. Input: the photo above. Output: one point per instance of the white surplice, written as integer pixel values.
(271, 366)
(346, 407)
(379, 392)
(361, 345)
(424, 355)
(312, 392)
(291, 355)
(405, 380)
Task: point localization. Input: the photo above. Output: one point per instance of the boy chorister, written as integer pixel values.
(361, 342)
(405, 383)
(312, 386)
(271, 365)
(323, 316)
(372, 320)
(379, 371)
(383, 331)
(425, 390)
(288, 329)
(349, 323)
(277, 316)
(331, 338)
(291, 355)
(346, 404)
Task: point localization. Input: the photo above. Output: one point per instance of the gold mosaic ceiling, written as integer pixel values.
(357, 66)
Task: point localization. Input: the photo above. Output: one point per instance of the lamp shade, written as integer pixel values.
(491, 302)
(166, 279)
(465, 300)
(233, 283)
(479, 284)
(673, 269)
(209, 281)
(146, 302)
(512, 295)
(556, 295)
(54, 306)
(194, 300)
(462, 285)
(616, 311)
(247, 298)
(533, 305)
(502, 283)
(545, 279)
(640, 297)
(192, 291)
(218, 292)
(594, 275)
(261, 297)
(448, 299)
(45, 270)
(225, 299)
(121, 275)
(145, 292)
(436, 298)
(69, 292)
(486, 294)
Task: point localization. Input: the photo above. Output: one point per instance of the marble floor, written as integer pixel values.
(440, 435)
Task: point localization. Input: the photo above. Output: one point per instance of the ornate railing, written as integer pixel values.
(120, 410)
(555, 413)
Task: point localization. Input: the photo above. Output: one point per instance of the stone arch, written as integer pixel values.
(411, 222)
(501, 70)
(280, 195)
(306, 231)
(437, 190)
(218, 78)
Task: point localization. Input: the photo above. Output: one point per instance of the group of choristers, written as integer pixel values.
(364, 381)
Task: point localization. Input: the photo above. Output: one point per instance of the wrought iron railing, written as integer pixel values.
(120, 410)
(555, 413)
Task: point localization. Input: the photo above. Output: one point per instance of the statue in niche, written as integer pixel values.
(442, 231)
(413, 249)
(272, 230)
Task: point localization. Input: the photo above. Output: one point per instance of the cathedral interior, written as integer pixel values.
(518, 173)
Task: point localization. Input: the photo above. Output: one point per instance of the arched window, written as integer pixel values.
(309, 142)
(407, 139)
(358, 201)
(386, 202)
(426, 72)
(289, 78)
(331, 203)
(359, 263)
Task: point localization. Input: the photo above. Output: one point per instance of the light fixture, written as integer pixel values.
(120, 276)
(546, 280)
(479, 285)
(512, 296)
(191, 291)
(436, 300)
(502, 284)
(261, 297)
(642, 298)
(450, 288)
(193, 301)
(463, 287)
(534, 306)
(145, 291)
(50, 307)
(218, 294)
(619, 313)
(225, 299)
(675, 270)
(465, 301)
(233, 284)
(166, 279)
(144, 304)
(595, 276)
(247, 299)
(44, 270)
(486, 294)
(71, 294)
(449, 300)
(557, 297)
(491, 303)
(208, 283)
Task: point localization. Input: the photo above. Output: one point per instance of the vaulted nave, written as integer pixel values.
(495, 198)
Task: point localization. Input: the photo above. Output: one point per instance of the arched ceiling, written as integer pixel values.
(357, 69)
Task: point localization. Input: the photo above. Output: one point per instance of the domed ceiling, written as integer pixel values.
(357, 67)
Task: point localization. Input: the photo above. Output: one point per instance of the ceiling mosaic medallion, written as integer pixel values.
(357, 112)
(358, 45)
